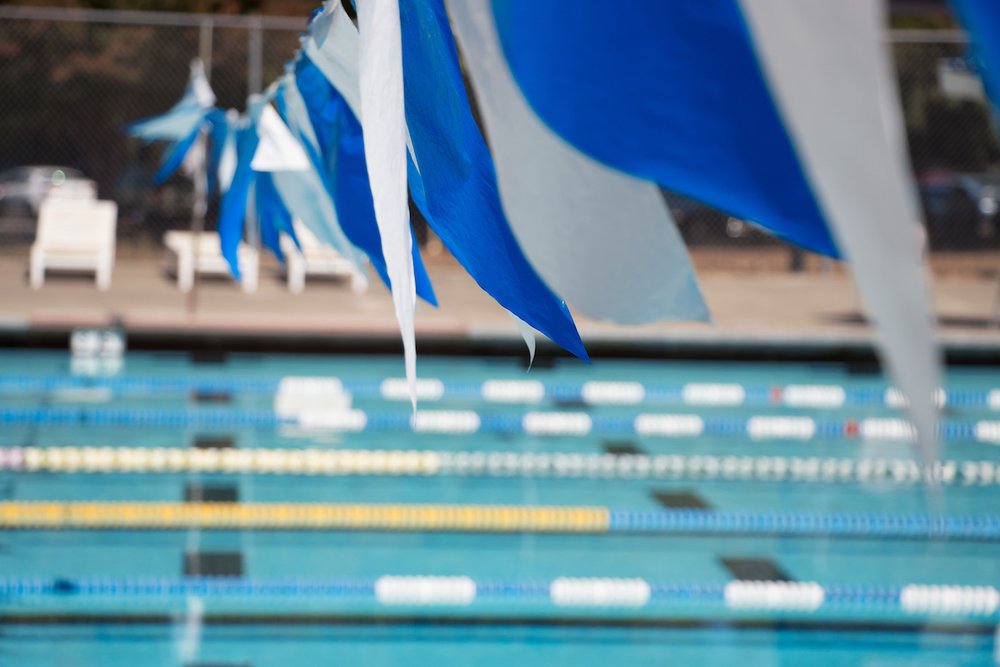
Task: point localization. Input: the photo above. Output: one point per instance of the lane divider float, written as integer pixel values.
(426, 463)
(774, 595)
(80, 515)
(499, 390)
(535, 423)
(303, 516)
(612, 593)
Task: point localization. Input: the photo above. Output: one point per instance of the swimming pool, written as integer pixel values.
(276, 509)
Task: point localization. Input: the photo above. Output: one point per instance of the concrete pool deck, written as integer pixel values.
(763, 307)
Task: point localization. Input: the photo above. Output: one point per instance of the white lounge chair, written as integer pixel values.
(316, 258)
(184, 261)
(77, 235)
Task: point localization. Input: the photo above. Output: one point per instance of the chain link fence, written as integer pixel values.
(72, 79)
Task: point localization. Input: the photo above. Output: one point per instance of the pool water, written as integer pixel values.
(251, 509)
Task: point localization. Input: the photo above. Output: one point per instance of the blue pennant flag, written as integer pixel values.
(981, 19)
(668, 91)
(272, 216)
(182, 125)
(340, 156)
(453, 182)
(233, 208)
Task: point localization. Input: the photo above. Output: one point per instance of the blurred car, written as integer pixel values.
(703, 225)
(961, 210)
(153, 207)
(22, 189)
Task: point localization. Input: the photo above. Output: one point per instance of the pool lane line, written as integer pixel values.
(289, 623)
(498, 390)
(303, 516)
(436, 591)
(532, 423)
(428, 463)
(79, 515)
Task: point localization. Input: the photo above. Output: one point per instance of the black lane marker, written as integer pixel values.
(196, 492)
(622, 448)
(681, 500)
(208, 356)
(211, 397)
(214, 442)
(754, 569)
(213, 564)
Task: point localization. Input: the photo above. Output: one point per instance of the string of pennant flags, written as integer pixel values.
(755, 107)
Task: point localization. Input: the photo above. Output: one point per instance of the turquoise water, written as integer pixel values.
(522, 645)
(67, 627)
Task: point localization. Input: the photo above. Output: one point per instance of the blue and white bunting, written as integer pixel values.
(300, 186)
(755, 107)
(192, 116)
(453, 181)
(185, 116)
(759, 108)
(667, 91)
(333, 138)
(602, 239)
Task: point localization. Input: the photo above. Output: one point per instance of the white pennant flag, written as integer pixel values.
(834, 102)
(383, 124)
(278, 149)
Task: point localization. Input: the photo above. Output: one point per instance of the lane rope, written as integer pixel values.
(303, 516)
(615, 392)
(561, 592)
(75, 515)
(428, 463)
(534, 423)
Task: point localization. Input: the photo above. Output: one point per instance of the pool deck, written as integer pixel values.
(756, 307)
